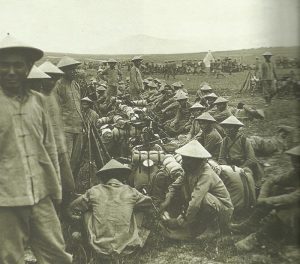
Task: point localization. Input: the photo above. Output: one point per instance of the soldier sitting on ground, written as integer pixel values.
(109, 216)
(210, 137)
(196, 110)
(278, 203)
(176, 126)
(237, 150)
(208, 204)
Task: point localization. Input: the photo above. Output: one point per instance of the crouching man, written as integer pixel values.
(109, 216)
(278, 204)
(207, 200)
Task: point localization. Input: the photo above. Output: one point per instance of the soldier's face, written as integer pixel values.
(189, 164)
(231, 130)
(268, 58)
(14, 69)
(70, 73)
(85, 105)
(211, 100)
(197, 112)
(203, 125)
(221, 107)
(182, 102)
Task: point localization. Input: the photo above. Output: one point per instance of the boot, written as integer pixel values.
(250, 225)
(247, 244)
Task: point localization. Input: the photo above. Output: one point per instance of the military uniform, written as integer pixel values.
(239, 151)
(204, 194)
(110, 217)
(136, 83)
(111, 76)
(212, 141)
(268, 76)
(282, 195)
(30, 180)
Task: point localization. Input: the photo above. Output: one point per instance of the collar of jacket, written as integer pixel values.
(114, 182)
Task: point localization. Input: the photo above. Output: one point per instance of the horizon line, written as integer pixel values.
(175, 53)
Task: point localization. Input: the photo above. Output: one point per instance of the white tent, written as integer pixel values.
(208, 58)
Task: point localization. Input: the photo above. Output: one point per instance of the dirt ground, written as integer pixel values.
(282, 111)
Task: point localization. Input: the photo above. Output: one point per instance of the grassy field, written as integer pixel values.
(281, 111)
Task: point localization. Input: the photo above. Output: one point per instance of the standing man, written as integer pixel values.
(136, 81)
(112, 76)
(268, 77)
(67, 92)
(30, 177)
(68, 185)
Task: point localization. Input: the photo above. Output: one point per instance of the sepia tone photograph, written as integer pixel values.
(149, 131)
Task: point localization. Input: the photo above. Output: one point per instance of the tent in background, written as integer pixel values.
(208, 58)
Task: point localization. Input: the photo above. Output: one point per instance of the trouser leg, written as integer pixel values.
(76, 153)
(46, 236)
(69, 143)
(268, 90)
(212, 215)
(14, 231)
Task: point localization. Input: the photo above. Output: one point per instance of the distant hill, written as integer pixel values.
(144, 44)
(245, 55)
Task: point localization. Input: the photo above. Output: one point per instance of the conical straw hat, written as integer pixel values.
(220, 100)
(207, 117)
(194, 149)
(11, 43)
(36, 73)
(49, 67)
(67, 62)
(232, 120)
(114, 165)
(197, 106)
(294, 151)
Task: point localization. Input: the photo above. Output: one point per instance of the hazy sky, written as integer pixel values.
(93, 26)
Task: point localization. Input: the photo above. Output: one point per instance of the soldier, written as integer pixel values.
(89, 115)
(196, 110)
(54, 72)
(67, 93)
(223, 111)
(207, 201)
(35, 79)
(136, 82)
(68, 186)
(204, 89)
(176, 126)
(110, 213)
(30, 181)
(101, 98)
(208, 100)
(112, 76)
(179, 86)
(280, 193)
(268, 77)
(210, 137)
(237, 150)
(219, 69)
